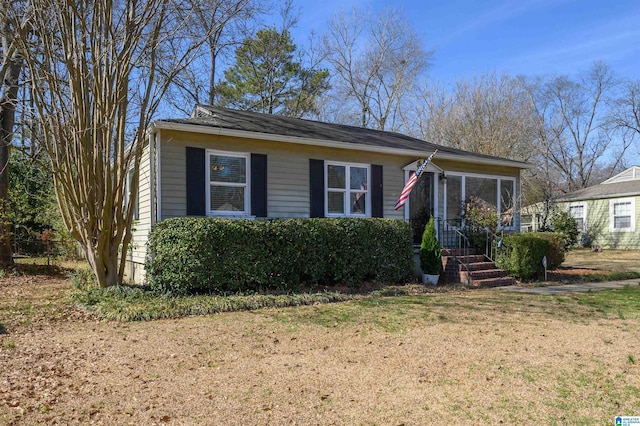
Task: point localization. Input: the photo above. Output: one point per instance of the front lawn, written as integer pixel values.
(394, 357)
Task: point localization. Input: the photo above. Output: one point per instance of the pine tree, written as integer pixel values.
(268, 78)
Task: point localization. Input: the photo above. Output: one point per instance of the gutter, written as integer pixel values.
(219, 131)
(601, 197)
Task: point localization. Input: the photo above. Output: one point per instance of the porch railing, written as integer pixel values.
(464, 240)
(463, 253)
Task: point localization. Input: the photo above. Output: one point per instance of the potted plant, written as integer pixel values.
(430, 256)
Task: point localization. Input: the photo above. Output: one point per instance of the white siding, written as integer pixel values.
(141, 227)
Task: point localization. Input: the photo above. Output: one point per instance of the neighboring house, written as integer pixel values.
(245, 165)
(607, 213)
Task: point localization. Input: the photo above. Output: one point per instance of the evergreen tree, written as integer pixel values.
(268, 78)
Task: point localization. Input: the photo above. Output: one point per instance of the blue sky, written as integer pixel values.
(517, 37)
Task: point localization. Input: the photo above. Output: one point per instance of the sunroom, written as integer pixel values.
(448, 194)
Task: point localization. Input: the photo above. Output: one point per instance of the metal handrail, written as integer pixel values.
(465, 249)
(491, 249)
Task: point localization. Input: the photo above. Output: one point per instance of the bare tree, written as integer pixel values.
(575, 113)
(625, 114)
(96, 87)
(488, 114)
(375, 63)
(15, 17)
(223, 24)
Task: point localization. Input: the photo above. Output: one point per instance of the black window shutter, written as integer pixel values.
(196, 182)
(259, 185)
(377, 197)
(316, 187)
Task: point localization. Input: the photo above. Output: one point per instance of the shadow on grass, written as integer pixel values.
(388, 308)
(138, 303)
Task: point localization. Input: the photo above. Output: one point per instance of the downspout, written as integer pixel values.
(158, 176)
(152, 178)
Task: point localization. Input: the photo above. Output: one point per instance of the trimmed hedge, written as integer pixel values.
(524, 259)
(555, 256)
(188, 255)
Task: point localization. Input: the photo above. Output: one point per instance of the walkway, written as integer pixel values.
(571, 288)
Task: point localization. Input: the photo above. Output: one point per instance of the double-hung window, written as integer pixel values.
(347, 190)
(578, 211)
(228, 178)
(622, 215)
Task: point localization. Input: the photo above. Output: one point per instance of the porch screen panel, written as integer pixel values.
(507, 190)
(482, 190)
(454, 198)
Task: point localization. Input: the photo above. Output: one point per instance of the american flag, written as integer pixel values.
(412, 182)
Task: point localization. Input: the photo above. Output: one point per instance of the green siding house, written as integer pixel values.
(606, 213)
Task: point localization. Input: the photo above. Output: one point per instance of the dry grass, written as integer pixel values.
(614, 260)
(480, 357)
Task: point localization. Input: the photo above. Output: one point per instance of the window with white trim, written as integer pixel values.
(228, 178)
(622, 215)
(578, 211)
(347, 190)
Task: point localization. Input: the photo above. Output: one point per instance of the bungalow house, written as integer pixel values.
(237, 164)
(607, 213)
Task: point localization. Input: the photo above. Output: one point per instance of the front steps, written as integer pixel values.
(482, 272)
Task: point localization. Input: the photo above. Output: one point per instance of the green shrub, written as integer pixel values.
(82, 279)
(188, 255)
(430, 256)
(555, 256)
(566, 226)
(523, 260)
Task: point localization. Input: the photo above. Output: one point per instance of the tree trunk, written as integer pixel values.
(7, 118)
(105, 267)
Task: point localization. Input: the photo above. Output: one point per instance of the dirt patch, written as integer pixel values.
(479, 357)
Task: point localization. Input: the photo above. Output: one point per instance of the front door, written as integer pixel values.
(421, 205)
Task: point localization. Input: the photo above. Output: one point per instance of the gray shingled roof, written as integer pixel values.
(605, 190)
(225, 118)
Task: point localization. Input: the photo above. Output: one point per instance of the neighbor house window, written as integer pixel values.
(347, 189)
(622, 215)
(578, 211)
(228, 192)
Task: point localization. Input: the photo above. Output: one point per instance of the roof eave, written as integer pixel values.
(220, 131)
(601, 197)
